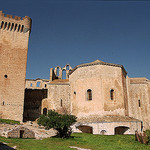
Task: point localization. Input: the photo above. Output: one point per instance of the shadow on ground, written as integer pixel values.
(5, 147)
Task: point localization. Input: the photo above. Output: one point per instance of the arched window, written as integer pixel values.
(45, 111)
(8, 26)
(22, 27)
(19, 28)
(30, 84)
(112, 94)
(5, 25)
(67, 67)
(38, 84)
(57, 71)
(64, 74)
(2, 24)
(15, 27)
(12, 26)
(89, 94)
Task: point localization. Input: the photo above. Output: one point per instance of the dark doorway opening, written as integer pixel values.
(21, 133)
(45, 111)
(33, 103)
(86, 129)
(121, 130)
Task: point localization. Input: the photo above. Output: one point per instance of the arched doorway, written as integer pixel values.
(45, 111)
(121, 129)
(85, 129)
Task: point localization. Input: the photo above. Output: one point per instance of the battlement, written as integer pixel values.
(15, 23)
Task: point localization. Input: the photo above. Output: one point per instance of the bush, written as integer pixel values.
(147, 132)
(60, 122)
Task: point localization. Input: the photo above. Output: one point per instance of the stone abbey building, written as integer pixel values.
(100, 94)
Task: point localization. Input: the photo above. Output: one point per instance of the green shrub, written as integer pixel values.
(60, 122)
(147, 132)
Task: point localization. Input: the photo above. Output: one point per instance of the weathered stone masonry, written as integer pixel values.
(14, 37)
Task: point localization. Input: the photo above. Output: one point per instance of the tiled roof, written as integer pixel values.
(108, 118)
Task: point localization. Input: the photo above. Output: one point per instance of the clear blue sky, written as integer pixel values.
(81, 31)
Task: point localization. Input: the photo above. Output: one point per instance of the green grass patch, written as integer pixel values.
(7, 121)
(82, 140)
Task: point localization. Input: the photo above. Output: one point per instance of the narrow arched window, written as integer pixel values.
(38, 84)
(12, 26)
(8, 26)
(15, 27)
(61, 104)
(112, 94)
(89, 94)
(57, 71)
(2, 24)
(64, 74)
(139, 103)
(22, 27)
(5, 25)
(19, 28)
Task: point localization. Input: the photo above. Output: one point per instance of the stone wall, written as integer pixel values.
(109, 128)
(14, 36)
(36, 84)
(59, 96)
(139, 100)
(21, 132)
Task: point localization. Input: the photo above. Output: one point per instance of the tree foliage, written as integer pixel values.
(59, 122)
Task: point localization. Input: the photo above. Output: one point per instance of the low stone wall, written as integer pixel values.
(21, 132)
(109, 128)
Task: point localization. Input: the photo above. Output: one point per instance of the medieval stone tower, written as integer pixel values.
(14, 37)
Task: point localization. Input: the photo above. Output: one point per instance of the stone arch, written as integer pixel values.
(45, 104)
(85, 129)
(58, 72)
(103, 132)
(67, 67)
(121, 129)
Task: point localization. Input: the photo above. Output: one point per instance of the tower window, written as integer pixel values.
(61, 104)
(89, 94)
(6, 76)
(112, 94)
(139, 102)
(2, 24)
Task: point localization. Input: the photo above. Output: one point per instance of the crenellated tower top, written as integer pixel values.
(15, 23)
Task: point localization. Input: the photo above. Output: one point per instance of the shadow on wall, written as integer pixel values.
(32, 103)
(121, 130)
(85, 129)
